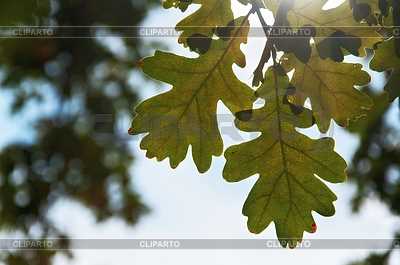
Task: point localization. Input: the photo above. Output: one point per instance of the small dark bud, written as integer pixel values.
(199, 43)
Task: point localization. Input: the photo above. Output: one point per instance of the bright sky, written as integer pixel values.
(185, 204)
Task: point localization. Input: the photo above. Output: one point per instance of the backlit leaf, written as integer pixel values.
(330, 87)
(337, 31)
(211, 14)
(186, 115)
(289, 165)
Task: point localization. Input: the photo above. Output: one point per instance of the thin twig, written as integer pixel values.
(269, 48)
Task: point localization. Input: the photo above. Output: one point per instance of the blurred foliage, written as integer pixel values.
(75, 153)
(374, 259)
(376, 164)
(12, 13)
(375, 168)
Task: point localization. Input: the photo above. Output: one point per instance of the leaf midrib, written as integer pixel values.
(281, 143)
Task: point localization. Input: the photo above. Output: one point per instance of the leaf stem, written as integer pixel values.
(269, 48)
(266, 27)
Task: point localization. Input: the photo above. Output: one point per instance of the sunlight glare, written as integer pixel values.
(332, 4)
(239, 9)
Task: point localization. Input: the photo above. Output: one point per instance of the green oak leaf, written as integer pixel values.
(385, 59)
(336, 24)
(211, 14)
(186, 115)
(289, 165)
(330, 87)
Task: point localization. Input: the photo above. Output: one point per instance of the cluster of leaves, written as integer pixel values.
(75, 152)
(290, 165)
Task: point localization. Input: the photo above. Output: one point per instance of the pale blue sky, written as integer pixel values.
(185, 204)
